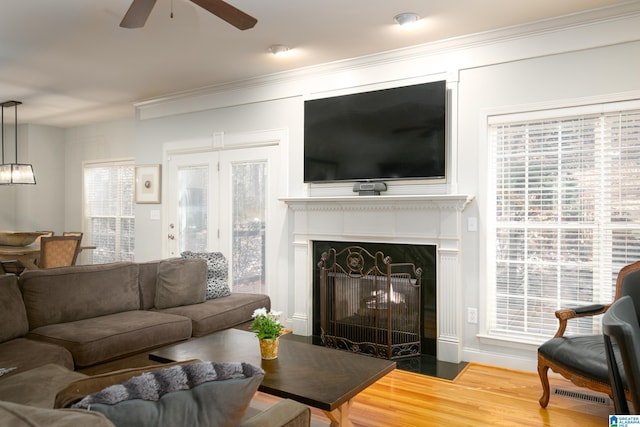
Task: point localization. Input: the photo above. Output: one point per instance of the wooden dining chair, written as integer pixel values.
(45, 233)
(58, 251)
(73, 233)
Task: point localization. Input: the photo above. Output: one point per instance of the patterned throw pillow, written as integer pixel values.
(217, 274)
(153, 385)
(214, 394)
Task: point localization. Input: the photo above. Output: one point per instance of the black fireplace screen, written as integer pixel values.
(369, 304)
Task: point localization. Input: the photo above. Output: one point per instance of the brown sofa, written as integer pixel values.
(55, 320)
(86, 315)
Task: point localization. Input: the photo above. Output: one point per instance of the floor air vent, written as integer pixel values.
(603, 400)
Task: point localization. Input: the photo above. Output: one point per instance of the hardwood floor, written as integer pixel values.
(480, 396)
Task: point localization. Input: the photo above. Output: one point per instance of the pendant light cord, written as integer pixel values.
(15, 132)
(3, 135)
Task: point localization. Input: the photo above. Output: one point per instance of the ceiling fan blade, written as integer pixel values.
(137, 14)
(229, 13)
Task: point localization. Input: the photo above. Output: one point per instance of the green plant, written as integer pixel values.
(266, 324)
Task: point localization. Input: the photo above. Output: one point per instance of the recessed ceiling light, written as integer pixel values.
(407, 19)
(279, 49)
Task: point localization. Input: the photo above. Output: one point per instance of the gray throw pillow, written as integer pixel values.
(180, 282)
(217, 272)
(213, 394)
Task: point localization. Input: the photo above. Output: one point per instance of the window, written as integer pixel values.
(109, 211)
(566, 190)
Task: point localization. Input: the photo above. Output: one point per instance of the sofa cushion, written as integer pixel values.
(147, 281)
(217, 272)
(17, 415)
(221, 313)
(66, 294)
(204, 393)
(24, 354)
(104, 338)
(13, 315)
(180, 282)
(38, 386)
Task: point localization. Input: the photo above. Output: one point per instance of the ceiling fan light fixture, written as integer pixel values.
(139, 11)
(406, 19)
(279, 49)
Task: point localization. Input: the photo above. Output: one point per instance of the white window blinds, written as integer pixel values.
(109, 211)
(567, 216)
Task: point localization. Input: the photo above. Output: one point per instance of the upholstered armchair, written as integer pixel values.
(582, 358)
(620, 326)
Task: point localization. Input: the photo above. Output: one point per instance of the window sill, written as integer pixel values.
(528, 343)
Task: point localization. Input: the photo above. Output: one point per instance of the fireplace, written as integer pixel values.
(423, 220)
(375, 298)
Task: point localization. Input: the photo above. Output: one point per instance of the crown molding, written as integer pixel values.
(569, 33)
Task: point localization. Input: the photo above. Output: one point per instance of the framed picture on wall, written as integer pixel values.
(147, 189)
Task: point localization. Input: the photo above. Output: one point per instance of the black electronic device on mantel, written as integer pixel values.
(381, 135)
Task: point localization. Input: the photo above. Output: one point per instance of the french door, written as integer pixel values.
(220, 201)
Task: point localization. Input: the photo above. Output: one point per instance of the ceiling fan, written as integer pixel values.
(139, 11)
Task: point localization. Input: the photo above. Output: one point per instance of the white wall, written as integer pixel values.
(153, 134)
(35, 207)
(607, 73)
(57, 155)
(100, 142)
(536, 64)
(600, 58)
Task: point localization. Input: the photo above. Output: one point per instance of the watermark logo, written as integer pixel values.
(624, 421)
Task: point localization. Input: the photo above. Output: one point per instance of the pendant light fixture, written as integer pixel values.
(14, 173)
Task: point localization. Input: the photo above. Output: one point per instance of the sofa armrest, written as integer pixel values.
(572, 313)
(286, 413)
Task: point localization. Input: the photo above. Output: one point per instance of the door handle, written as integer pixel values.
(171, 237)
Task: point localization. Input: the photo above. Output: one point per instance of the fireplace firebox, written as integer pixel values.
(367, 302)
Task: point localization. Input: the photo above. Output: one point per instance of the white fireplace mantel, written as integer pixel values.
(436, 201)
(421, 219)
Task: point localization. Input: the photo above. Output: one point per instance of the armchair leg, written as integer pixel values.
(543, 371)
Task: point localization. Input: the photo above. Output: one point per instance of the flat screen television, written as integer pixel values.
(381, 135)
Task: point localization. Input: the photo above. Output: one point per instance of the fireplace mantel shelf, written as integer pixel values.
(439, 201)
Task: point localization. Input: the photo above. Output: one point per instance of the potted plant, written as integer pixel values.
(267, 327)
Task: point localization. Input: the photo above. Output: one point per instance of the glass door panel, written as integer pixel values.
(191, 218)
(193, 211)
(249, 212)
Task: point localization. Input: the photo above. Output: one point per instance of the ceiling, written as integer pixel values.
(71, 64)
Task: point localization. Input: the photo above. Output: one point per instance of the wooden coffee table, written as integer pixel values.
(321, 377)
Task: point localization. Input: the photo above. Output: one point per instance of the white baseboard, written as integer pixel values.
(501, 360)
